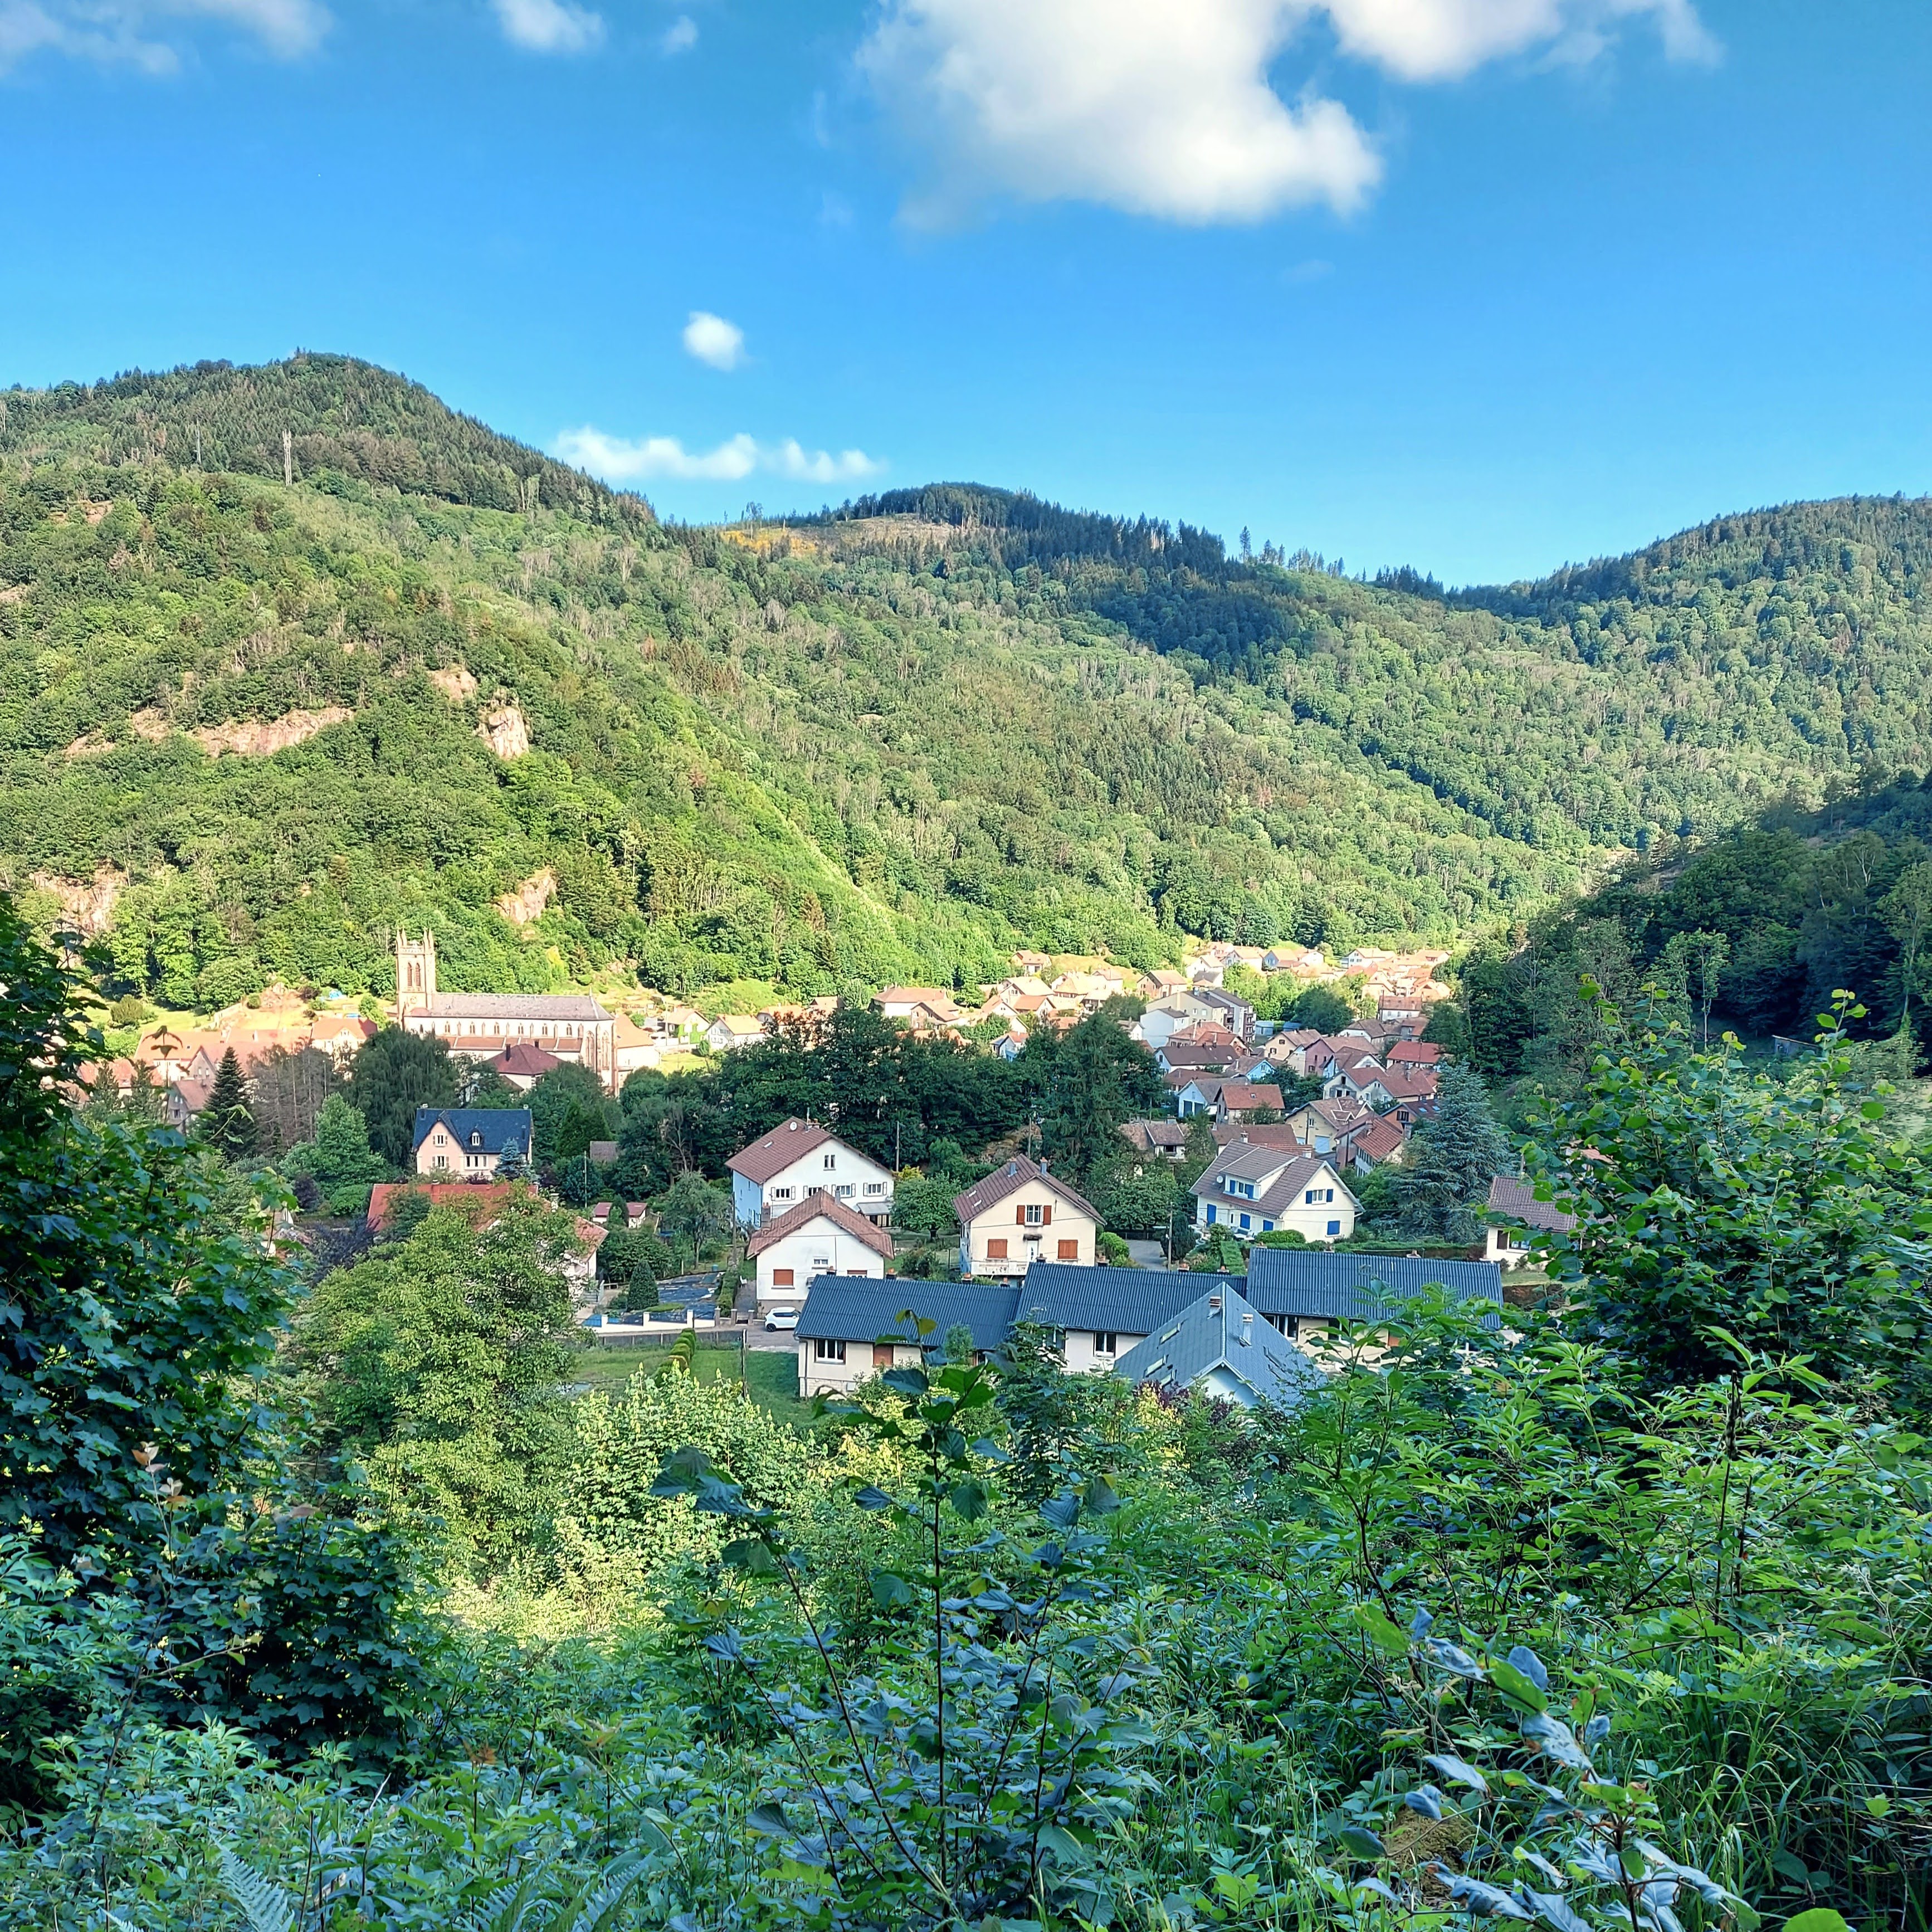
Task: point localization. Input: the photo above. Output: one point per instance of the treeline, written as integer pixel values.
(348, 421)
(1757, 931)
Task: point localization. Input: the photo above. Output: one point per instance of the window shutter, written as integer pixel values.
(1019, 1215)
(1046, 1217)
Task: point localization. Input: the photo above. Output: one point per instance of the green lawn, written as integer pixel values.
(771, 1373)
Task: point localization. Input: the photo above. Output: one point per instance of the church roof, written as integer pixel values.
(511, 1006)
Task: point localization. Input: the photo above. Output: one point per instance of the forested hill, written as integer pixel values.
(344, 418)
(860, 747)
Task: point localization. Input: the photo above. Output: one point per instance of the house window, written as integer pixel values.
(1106, 1342)
(1267, 1227)
(844, 1190)
(875, 1187)
(831, 1162)
(1036, 1215)
(442, 1140)
(828, 1351)
(1069, 1251)
(1328, 1194)
(996, 1251)
(857, 1270)
(1334, 1227)
(442, 1160)
(1244, 1221)
(821, 1264)
(1311, 1197)
(781, 1193)
(782, 1277)
(476, 1140)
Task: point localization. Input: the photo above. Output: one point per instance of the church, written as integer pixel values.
(479, 1026)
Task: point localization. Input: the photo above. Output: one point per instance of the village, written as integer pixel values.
(1283, 1122)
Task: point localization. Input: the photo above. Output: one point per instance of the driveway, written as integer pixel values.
(1147, 1254)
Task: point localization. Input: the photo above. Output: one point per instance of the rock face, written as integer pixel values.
(243, 737)
(454, 682)
(528, 901)
(504, 729)
(87, 903)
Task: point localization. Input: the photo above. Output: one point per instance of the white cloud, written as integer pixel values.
(680, 36)
(617, 460)
(549, 26)
(133, 32)
(1167, 107)
(713, 340)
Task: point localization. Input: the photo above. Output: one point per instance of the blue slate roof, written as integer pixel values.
(499, 1128)
(1126, 1301)
(847, 1308)
(1309, 1283)
(1220, 1336)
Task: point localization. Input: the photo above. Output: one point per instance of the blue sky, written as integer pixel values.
(1482, 286)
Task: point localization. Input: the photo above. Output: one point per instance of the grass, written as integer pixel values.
(771, 1373)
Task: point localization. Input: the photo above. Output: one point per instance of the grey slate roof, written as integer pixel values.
(1516, 1200)
(1308, 1283)
(1219, 1330)
(500, 1128)
(844, 1308)
(1119, 1300)
(513, 1006)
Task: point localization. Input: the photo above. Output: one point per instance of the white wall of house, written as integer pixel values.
(837, 1366)
(1031, 1224)
(1508, 1247)
(1329, 1216)
(785, 1269)
(1087, 1351)
(830, 1168)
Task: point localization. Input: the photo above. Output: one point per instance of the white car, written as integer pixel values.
(782, 1318)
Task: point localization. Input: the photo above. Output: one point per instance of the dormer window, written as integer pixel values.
(476, 1140)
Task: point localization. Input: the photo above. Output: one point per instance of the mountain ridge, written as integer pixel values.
(824, 752)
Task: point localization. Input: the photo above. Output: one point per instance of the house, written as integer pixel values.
(1160, 984)
(1413, 1053)
(1377, 1142)
(850, 1330)
(1320, 1125)
(684, 1024)
(1165, 1139)
(1305, 1294)
(633, 1047)
(1515, 1215)
(1234, 1013)
(729, 1032)
(1304, 962)
(1360, 1080)
(903, 1003)
(1011, 1044)
(820, 1236)
(186, 1101)
(340, 1036)
(523, 1065)
(1401, 1022)
(1251, 1189)
(1020, 1214)
(479, 1026)
(1225, 1099)
(471, 1196)
(799, 1159)
(1222, 1346)
(634, 1212)
(1161, 1022)
(1101, 1313)
(471, 1142)
(1290, 1049)
(1180, 1055)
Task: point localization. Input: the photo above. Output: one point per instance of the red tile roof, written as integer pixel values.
(826, 1207)
(1009, 1178)
(779, 1149)
(479, 1194)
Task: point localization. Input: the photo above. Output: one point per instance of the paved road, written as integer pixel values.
(1147, 1254)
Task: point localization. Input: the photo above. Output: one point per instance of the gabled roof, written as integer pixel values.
(1221, 1330)
(1148, 1134)
(773, 1153)
(1413, 1083)
(1376, 1140)
(1125, 1301)
(1415, 1053)
(520, 1057)
(1008, 1178)
(1306, 1282)
(844, 1308)
(1278, 1135)
(821, 1207)
(498, 1129)
(1240, 1095)
(1516, 1200)
(1281, 1180)
(475, 1196)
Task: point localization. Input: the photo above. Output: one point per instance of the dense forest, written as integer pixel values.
(885, 744)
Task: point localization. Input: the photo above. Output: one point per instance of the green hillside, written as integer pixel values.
(891, 742)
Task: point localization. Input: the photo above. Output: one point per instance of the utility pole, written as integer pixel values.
(197, 445)
(288, 460)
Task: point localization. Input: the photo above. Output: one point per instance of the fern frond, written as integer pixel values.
(265, 1906)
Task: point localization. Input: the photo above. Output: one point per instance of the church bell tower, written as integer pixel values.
(415, 972)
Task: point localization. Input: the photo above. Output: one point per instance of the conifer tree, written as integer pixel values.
(227, 1124)
(1451, 1160)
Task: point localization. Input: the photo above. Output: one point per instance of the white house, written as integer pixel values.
(1251, 1189)
(1020, 1214)
(730, 1031)
(1515, 1215)
(801, 1159)
(821, 1236)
